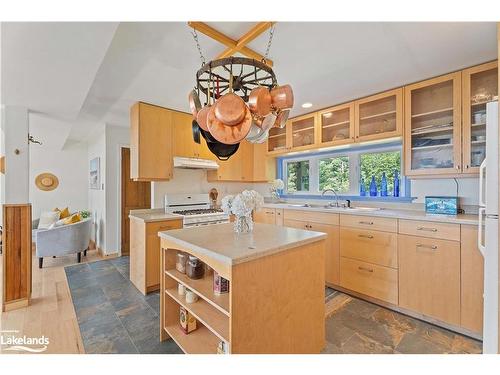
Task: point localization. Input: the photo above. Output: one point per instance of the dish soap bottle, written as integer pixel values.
(373, 187)
(383, 186)
(395, 193)
(362, 188)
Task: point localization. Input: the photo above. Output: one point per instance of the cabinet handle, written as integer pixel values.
(365, 269)
(431, 247)
(366, 222)
(269, 212)
(467, 167)
(427, 229)
(369, 236)
(458, 166)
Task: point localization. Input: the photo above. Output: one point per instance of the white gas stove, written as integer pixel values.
(195, 209)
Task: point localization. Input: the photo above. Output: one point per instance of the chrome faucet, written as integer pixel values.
(336, 197)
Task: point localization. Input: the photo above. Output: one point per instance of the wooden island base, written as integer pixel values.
(275, 304)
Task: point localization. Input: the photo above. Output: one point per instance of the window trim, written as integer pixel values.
(353, 153)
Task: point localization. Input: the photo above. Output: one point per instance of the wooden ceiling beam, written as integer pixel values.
(253, 33)
(227, 41)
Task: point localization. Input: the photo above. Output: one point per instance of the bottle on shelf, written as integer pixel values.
(395, 192)
(373, 187)
(383, 186)
(362, 188)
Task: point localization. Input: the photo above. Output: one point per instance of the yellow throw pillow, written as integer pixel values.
(73, 219)
(64, 213)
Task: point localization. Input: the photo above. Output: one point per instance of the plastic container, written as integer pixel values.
(195, 268)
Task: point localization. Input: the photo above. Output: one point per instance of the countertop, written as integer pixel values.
(220, 242)
(398, 214)
(153, 215)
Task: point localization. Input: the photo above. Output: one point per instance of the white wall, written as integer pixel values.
(468, 189)
(68, 163)
(96, 147)
(195, 181)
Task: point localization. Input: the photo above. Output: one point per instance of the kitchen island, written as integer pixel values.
(276, 298)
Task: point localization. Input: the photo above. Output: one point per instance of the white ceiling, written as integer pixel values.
(92, 72)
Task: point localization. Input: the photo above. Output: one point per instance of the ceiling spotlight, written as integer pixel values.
(307, 105)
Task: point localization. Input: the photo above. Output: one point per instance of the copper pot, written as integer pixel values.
(230, 109)
(194, 103)
(202, 116)
(260, 101)
(229, 135)
(282, 97)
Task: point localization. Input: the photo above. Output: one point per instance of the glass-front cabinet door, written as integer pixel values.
(337, 125)
(379, 116)
(433, 126)
(277, 140)
(303, 131)
(479, 86)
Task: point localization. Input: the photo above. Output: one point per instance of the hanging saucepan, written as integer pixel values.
(229, 135)
(222, 151)
(260, 101)
(282, 97)
(230, 109)
(203, 113)
(196, 132)
(262, 138)
(281, 118)
(194, 102)
(254, 133)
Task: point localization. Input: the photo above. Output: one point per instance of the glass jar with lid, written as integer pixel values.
(180, 262)
(195, 268)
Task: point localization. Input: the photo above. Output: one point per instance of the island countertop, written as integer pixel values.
(220, 242)
(151, 215)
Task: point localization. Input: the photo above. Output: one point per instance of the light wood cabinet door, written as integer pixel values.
(151, 153)
(278, 141)
(295, 224)
(183, 144)
(429, 277)
(336, 125)
(433, 127)
(332, 253)
(369, 279)
(479, 86)
(239, 167)
(472, 279)
(370, 246)
(264, 167)
(379, 116)
(265, 216)
(279, 216)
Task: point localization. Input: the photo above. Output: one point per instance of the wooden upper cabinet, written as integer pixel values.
(479, 86)
(336, 125)
(264, 167)
(151, 156)
(184, 145)
(379, 116)
(302, 132)
(433, 129)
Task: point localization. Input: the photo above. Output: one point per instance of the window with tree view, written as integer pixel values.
(298, 176)
(334, 174)
(375, 164)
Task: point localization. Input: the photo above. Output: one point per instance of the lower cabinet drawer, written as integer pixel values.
(444, 231)
(370, 246)
(369, 279)
(383, 224)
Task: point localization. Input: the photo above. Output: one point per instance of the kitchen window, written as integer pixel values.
(342, 171)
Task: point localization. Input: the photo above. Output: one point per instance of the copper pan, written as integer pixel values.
(202, 115)
(194, 103)
(229, 135)
(260, 101)
(282, 97)
(281, 118)
(230, 109)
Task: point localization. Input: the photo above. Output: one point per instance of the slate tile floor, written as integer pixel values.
(114, 317)
(354, 326)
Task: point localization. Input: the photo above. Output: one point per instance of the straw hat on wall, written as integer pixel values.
(46, 181)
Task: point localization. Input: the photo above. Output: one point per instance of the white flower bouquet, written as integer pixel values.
(242, 205)
(276, 185)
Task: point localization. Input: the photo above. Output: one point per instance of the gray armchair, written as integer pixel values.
(63, 240)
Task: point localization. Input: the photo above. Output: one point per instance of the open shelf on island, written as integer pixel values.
(200, 341)
(204, 289)
(212, 318)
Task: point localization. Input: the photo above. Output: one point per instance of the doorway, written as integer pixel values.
(135, 195)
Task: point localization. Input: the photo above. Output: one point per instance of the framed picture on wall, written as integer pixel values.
(95, 174)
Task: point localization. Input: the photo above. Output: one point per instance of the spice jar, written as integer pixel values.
(191, 296)
(195, 269)
(180, 262)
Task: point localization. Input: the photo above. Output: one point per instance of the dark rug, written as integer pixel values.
(114, 317)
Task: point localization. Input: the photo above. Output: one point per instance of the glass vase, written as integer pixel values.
(243, 224)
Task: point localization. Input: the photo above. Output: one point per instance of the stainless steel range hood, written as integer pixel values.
(194, 163)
